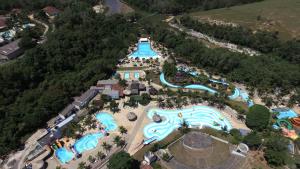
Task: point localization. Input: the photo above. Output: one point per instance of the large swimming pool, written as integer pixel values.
(145, 51)
(63, 155)
(196, 116)
(107, 120)
(87, 142)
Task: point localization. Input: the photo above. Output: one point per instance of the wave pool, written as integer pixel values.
(145, 51)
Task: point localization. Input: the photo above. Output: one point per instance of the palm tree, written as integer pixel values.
(121, 143)
(241, 117)
(100, 155)
(122, 130)
(81, 165)
(106, 146)
(91, 159)
(117, 139)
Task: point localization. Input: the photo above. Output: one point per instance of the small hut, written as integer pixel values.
(131, 116)
(156, 118)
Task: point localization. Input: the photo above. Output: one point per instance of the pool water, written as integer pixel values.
(289, 113)
(107, 120)
(63, 155)
(237, 92)
(126, 75)
(145, 51)
(136, 75)
(87, 142)
(196, 116)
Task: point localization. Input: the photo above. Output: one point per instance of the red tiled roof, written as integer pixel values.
(51, 10)
(119, 88)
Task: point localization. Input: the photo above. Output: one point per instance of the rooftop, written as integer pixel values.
(50, 10)
(107, 82)
(86, 95)
(10, 48)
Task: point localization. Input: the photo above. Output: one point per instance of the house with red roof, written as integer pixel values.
(51, 11)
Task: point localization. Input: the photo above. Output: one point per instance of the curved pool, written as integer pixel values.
(196, 116)
(107, 120)
(87, 142)
(64, 155)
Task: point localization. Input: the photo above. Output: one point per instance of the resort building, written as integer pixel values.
(11, 50)
(51, 11)
(202, 151)
(68, 111)
(2, 22)
(85, 98)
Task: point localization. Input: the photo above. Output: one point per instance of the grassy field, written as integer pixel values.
(273, 15)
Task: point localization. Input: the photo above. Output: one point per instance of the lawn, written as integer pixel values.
(272, 15)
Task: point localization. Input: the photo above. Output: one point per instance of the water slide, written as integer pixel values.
(234, 96)
(285, 123)
(296, 122)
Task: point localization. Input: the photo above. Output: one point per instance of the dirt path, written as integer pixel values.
(31, 17)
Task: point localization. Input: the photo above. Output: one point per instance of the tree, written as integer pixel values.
(236, 135)
(276, 151)
(253, 140)
(122, 130)
(82, 165)
(106, 146)
(100, 155)
(117, 139)
(91, 159)
(145, 99)
(122, 160)
(169, 69)
(258, 117)
(114, 106)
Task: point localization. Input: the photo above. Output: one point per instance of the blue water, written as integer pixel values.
(136, 75)
(87, 142)
(144, 50)
(126, 75)
(287, 114)
(197, 116)
(107, 120)
(64, 155)
(244, 95)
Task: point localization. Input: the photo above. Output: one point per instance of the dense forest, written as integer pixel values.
(179, 6)
(267, 73)
(84, 48)
(263, 41)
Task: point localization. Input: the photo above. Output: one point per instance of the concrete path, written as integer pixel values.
(31, 17)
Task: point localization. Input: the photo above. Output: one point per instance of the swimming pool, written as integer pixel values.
(64, 155)
(87, 142)
(126, 75)
(136, 75)
(196, 116)
(285, 113)
(107, 120)
(144, 50)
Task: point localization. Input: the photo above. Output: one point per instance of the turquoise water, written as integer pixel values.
(244, 95)
(64, 155)
(287, 114)
(126, 75)
(136, 75)
(144, 50)
(87, 142)
(107, 120)
(197, 116)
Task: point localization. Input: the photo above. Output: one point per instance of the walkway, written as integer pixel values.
(31, 17)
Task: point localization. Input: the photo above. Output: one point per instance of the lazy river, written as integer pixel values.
(196, 116)
(237, 92)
